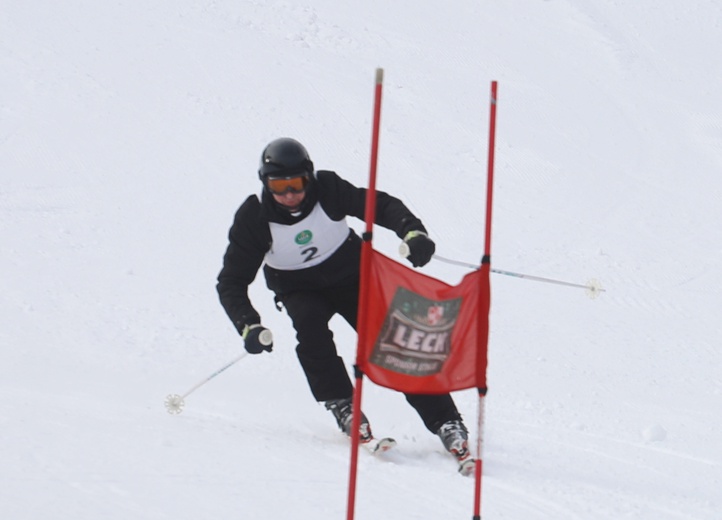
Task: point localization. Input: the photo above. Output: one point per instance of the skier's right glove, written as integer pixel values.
(257, 338)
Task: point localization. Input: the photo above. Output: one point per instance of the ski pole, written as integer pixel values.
(174, 403)
(593, 287)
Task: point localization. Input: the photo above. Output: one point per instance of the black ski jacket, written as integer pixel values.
(250, 239)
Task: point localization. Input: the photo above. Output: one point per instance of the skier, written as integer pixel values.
(312, 260)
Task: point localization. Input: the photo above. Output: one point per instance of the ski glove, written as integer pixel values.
(418, 248)
(257, 338)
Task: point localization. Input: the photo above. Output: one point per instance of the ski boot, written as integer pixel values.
(342, 410)
(455, 438)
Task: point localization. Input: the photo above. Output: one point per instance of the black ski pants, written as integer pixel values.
(325, 370)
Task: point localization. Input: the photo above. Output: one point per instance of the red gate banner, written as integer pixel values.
(421, 334)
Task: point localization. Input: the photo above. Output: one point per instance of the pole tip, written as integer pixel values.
(379, 76)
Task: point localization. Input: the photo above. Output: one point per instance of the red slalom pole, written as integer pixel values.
(486, 268)
(366, 250)
(490, 170)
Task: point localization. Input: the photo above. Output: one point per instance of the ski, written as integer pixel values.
(466, 467)
(374, 445)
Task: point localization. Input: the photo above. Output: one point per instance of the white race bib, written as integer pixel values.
(306, 243)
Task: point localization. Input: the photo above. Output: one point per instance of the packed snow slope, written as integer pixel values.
(129, 134)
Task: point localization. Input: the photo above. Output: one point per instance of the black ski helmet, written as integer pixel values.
(284, 157)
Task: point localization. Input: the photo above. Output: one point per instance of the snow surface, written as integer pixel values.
(129, 134)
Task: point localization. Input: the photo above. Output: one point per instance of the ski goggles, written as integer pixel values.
(292, 184)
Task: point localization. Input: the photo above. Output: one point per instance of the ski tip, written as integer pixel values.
(375, 445)
(385, 444)
(466, 468)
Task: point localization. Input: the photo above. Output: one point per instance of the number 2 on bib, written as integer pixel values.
(309, 253)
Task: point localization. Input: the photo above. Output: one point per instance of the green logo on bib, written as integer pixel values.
(304, 237)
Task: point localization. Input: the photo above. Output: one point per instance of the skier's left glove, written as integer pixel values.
(257, 338)
(418, 248)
